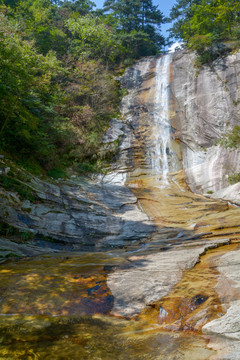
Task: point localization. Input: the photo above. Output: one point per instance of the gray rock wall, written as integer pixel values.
(80, 213)
(205, 104)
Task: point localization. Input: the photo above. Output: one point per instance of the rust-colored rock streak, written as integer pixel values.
(171, 284)
(194, 301)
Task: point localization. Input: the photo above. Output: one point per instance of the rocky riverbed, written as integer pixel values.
(134, 254)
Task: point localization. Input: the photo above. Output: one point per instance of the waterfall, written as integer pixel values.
(161, 127)
(146, 108)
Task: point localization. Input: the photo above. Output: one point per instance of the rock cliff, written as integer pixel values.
(78, 214)
(205, 104)
(177, 133)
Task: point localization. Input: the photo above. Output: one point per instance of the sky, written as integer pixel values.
(163, 5)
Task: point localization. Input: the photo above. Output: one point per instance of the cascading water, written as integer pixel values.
(59, 303)
(161, 127)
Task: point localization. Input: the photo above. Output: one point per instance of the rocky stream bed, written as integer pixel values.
(132, 264)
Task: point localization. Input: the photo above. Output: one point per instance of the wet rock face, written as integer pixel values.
(205, 104)
(227, 326)
(149, 278)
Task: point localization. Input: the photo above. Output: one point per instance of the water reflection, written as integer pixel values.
(56, 307)
(57, 285)
(42, 337)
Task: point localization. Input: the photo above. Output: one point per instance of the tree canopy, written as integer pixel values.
(59, 60)
(138, 16)
(204, 25)
(58, 64)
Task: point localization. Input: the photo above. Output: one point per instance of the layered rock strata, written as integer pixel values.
(204, 105)
(81, 213)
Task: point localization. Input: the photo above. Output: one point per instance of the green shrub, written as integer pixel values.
(6, 229)
(26, 235)
(231, 139)
(236, 32)
(235, 178)
(9, 230)
(96, 167)
(57, 173)
(11, 184)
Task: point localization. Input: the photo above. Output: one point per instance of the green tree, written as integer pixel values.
(137, 15)
(40, 19)
(180, 14)
(27, 93)
(58, 63)
(136, 44)
(227, 15)
(204, 24)
(150, 15)
(44, 21)
(82, 7)
(91, 38)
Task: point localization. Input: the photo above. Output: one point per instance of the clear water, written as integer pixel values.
(58, 308)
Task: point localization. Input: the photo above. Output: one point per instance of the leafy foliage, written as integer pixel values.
(92, 39)
(139, 21)
(204, 24)
(233, 179)
(27, 93)
(12, 184)
(58, 60)
(231, 139)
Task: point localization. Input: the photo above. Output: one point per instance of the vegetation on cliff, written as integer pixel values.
(231, 140)
(59, 61)
(204, 25)
(58, 64)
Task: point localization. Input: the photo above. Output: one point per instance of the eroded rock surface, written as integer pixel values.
(9, 249)
(227, 326)
(150, 277)
(83, 213)
(205, 105)
(102, 213)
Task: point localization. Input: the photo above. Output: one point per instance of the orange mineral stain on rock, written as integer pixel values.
(194, 301)
(183, 219)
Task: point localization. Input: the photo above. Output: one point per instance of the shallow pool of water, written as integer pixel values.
(57, 307)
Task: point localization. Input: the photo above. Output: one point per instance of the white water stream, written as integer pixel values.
(161, 127)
